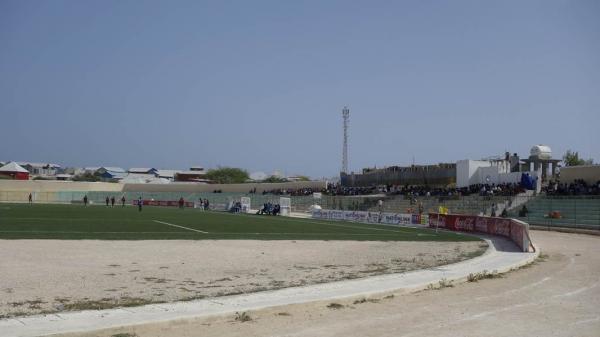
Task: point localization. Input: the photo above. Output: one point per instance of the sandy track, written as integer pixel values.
(50, 275)
(558, 296)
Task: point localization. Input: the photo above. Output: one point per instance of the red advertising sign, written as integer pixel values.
(515, 230)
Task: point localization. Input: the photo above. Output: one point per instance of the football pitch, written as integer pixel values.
(72, 222)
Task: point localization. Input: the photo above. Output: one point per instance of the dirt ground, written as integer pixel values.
(557, 296)
(42, 276)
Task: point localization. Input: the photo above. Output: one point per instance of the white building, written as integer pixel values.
(41, 169)
(471, 172)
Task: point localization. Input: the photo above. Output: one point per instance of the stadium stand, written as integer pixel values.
(568, 211)
(574, 206)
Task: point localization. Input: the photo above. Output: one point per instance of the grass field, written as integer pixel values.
(71, 222)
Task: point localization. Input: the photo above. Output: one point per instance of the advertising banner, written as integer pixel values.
(166, 203)
(397, 219)
(513, 229)
(368, 217)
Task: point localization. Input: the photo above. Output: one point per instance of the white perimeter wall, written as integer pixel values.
(57, 186)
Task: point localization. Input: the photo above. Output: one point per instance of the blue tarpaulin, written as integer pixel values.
(528, 182)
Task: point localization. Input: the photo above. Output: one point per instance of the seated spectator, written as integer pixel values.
(236, 207)
(263, 210)
(524, 211)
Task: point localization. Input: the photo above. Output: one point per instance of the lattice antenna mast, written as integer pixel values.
(346, 116)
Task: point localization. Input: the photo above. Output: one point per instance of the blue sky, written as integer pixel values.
(261, 84)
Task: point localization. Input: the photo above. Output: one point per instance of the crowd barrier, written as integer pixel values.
(515, 230)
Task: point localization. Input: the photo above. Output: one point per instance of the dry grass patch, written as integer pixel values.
(107, 303)
(483, 275)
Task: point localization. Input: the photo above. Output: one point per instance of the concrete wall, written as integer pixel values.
(237, 188)
(57, 186)
(589, 173)
(462, 173)
(467, 171)
(71, 186)
(419, 175)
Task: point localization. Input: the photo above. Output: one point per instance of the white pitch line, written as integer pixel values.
(173, 225)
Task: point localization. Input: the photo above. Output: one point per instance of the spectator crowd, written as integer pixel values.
(506, 189)
(578, 187)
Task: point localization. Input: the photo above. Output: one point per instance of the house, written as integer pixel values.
(195, 174)
(64, 176)
(143, 170)
(141, 178)
(41, 169)
(75, 171)
(167, 174)
(14, 171)
(111, 173)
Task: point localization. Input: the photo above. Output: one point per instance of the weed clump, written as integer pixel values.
(334, 306)
(242, 317)
(483, 275)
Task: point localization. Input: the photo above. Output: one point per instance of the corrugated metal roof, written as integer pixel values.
(25, 163)
(13, 167)
(192, 172)
(141, 169)
(114, 169)
(167, 173)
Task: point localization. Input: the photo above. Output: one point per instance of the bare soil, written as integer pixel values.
(559, 295)
(46, 276)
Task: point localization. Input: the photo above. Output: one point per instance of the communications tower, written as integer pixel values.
(346, 117)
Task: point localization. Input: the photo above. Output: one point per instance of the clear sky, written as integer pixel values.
(261, 84)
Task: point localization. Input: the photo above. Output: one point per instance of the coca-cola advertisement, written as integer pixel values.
(516, 230)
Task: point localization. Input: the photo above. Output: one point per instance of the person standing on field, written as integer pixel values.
(107, 201)
(123, 201)
(30, 198)
(85, 200)
(112, 201)
(140, 202)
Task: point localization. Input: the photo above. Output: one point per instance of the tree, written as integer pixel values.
(227, 175)
(275, 179)
(571, 158)
(87, 177)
